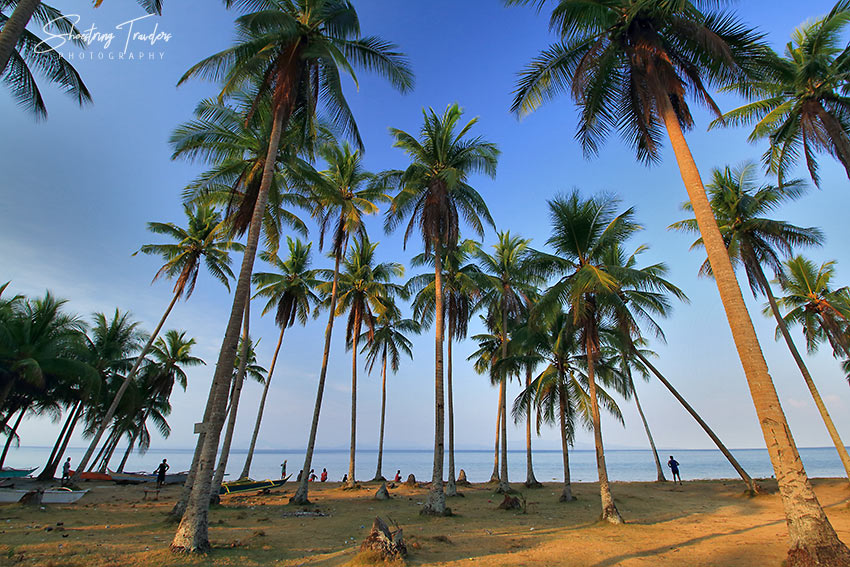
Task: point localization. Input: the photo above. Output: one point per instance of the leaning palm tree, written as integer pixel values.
(14, 31)
(755, 241)
(203, 240)
(291, 295)
(21, 52)
(508, 286)
(801, 104)
(629, 64)
(461, 290)
(343, 195)
(386, 342)
(364, 290)
(821, 311)
(434, 192)
(293, 52)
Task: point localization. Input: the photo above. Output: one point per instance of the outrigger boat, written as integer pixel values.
(16, 473)
(139, 477)
(93, 475)
(248, 485)
(49, 496)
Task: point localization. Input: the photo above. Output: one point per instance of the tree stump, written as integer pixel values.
(411, 480)
(383, 493)
(32, 498)
(383, 543)
(510, 503)
(461, 479)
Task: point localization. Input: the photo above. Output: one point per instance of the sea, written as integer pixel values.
(623, 464)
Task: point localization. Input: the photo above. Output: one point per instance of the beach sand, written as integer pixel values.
(702, 523)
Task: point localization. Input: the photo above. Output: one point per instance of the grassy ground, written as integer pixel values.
(706, 523)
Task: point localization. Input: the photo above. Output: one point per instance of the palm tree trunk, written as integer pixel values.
(4, 395)
(11, 436)
(435, 505)
(127, 452)
(193, 532)
(660, 471)
(495, 476)
(567, 492)
(751, 485)
(840, 141)
(353, 446)
(246, 470)
(609, 508)
(530, 481)
(224, 455)
(451, 484)
(108, 456)
(301, 495)
(110, 413)
(379, 471)
(504, 484)
(813, 539)
(50, 468)
(64, 446)
(807, 377)
(14, 29)
(98, 457)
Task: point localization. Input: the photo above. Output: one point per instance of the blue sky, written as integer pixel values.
(78, 189)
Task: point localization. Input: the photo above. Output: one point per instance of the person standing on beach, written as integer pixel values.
(397, 476)
(674, 469)
(324, 476)
(160, 473)
(66, 470)
(283, 469)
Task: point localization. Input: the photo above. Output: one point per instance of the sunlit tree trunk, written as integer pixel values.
(246, 470)
(451, 484)
(813, 539)
(379, 473)
(436, 501)
(353, 446)
(224, 455)
(567, 492)
(495, 476)
(660, 471)
(504, 484)
(530, 481)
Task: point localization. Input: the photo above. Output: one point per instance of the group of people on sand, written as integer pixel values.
(323, 477)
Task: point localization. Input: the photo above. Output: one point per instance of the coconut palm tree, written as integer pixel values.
(461, 291)
(434, 192)
(755, 241)
(386, 342)
(488, 355)
(801, 103)
(291, 294)
(821, 311)
(629, 65)
(507, 287)
(363, 290)
(293, 53)
(343, 195)
(203, 240)
(22, 51)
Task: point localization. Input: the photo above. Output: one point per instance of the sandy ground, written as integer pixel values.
(698, 524)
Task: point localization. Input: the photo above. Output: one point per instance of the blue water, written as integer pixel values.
(623, 465)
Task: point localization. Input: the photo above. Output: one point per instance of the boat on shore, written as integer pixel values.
(91, 475)
(139, 477)
(49, 496)
(8, 472)
(249, 485)
(10, 495)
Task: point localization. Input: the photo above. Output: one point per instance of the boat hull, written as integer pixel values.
(94, 476)
(138, 478)
(9, 496)
(62, 496)
(249, 486)
(16, 473)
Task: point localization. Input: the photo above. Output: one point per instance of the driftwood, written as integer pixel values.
(461, 479)
(383, 543)
(383, 493)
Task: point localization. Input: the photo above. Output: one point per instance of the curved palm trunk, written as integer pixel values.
(246, 470)
(353, 447)
(451, 483)
(504, 484)
(495, 476)
(609, 508)
(11, 436)
(110, 413)
(100, 453)
(530, 481)
(224, 456)
(660, 471)
(64, 447)
(14, 29)
(4, 395)
(53, 460)
(807, 377)
(301, 495)
(104, 464)
(193, 532)
(751, 485)
(813, 539)
(379, 471)
(567, 492)
(127, 453)
(436, 503)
